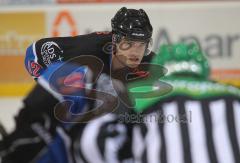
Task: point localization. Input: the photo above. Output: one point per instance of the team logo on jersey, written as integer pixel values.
(51, 52)
(34, 68)
(107, 48)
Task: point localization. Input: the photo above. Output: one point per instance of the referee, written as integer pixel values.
(198, 122)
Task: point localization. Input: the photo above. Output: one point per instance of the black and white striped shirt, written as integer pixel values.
(186, 130)
(211, 133)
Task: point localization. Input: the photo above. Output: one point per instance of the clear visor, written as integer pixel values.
(127, 43)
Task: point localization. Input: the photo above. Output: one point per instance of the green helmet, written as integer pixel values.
(183, 59)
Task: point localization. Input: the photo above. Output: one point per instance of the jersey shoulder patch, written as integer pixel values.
(49, 51)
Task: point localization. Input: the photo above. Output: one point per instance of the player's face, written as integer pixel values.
(130, 52)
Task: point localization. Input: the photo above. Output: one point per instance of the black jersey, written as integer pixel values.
(46, 51)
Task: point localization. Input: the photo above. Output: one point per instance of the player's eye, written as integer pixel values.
(125, 45)
(142, 44)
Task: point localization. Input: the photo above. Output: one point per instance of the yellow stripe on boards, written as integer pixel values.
(15, 89)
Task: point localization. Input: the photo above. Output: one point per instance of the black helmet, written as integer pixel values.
(133, 24)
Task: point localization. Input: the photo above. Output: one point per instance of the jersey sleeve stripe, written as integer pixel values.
(184, 131)
(34, 52)
(172, 131)
(232, 129)
(197, 139)
(236, 108)
(209, 128)
(220, 132)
